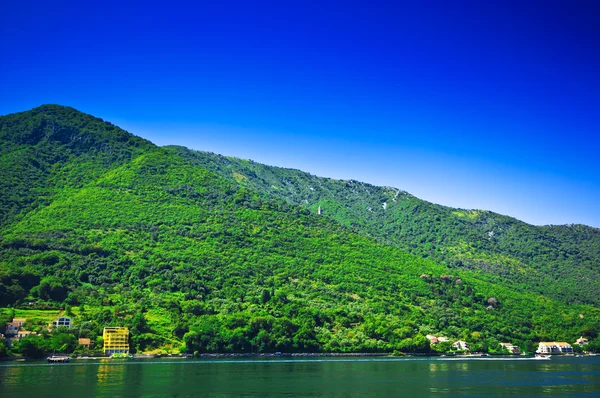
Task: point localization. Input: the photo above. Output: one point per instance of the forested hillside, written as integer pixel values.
(560, 261)
(190, 255)
(54, 147)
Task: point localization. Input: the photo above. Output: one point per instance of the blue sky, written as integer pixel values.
(468, 103)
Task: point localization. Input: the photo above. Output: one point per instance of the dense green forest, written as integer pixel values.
(560, 261)
(204, 253)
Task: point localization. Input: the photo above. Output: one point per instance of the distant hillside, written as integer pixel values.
(560, 261)
(225, 257)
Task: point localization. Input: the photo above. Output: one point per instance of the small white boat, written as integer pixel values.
(59, 359)
(542, 357)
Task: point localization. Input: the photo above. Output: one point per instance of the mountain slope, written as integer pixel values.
(561, 261)
(156, 233)
(183, 255)
(52, 146)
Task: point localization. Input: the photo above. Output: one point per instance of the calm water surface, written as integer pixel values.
(300, 377)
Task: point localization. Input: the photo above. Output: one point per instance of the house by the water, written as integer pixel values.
(553, 347)
(513, 349)
(461, 346)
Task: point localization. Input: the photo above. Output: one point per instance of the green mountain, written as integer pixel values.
(562, 262)
(217, 254)
(54, 147)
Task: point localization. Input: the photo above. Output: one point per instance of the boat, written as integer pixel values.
(59, 359)
(542, 357)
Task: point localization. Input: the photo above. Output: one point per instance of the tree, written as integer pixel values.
(68, 311)
(139, 324)
(52, 288)
(63, 342)
(3, 349)
(266, 296)
(33, 346)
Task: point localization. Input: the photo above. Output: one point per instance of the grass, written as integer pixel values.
(40, 317)
(35, 316)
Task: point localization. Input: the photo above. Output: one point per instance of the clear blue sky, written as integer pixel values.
(490, 105)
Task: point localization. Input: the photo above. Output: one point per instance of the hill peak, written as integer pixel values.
(62, 125)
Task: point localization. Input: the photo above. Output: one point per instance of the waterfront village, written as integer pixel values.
(544, 347)
(115, 341)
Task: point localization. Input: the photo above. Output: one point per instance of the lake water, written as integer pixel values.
(408, 377)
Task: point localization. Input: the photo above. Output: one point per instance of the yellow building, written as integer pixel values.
(116, 340)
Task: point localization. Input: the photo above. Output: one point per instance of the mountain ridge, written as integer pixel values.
(386, 187)
(50, 107)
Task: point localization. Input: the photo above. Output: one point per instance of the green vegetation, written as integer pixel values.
(561, 262)
(201, 258)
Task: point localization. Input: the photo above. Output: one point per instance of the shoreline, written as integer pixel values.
(291, 355)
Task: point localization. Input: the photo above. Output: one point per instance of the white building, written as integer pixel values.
(461, 345)
(582, 341)
(553, 347)
(513, 349)
(432, 339)
(62, 322)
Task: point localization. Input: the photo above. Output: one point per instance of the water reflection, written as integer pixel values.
(438, 366)
(462, 366)
(103, 373)
(13, 375)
